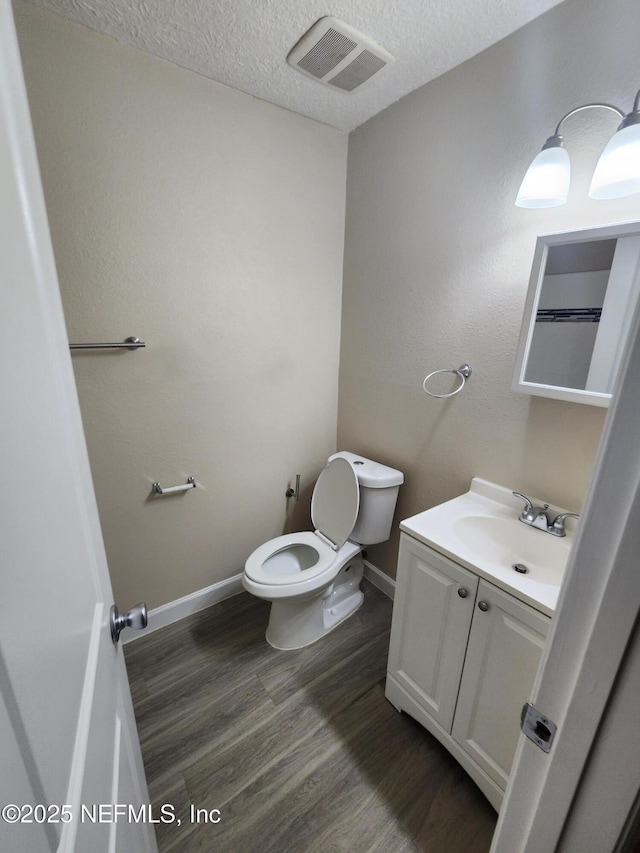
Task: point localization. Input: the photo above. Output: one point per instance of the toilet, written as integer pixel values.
(313, 578)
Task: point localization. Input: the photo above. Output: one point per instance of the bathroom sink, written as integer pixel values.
(481, 531)
(509, 542)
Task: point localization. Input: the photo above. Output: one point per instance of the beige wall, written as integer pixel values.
(211, 225)
(437, 260)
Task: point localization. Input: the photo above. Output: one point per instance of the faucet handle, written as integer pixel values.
(558, 528)
(528, 505)
(536, 516)
(528, 514)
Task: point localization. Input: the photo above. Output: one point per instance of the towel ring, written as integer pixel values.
(464, 372)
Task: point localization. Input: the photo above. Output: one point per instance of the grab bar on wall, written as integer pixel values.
(128, 343)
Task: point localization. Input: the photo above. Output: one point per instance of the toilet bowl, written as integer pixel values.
(313, 578)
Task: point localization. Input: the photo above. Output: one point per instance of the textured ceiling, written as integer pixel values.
(244, 43)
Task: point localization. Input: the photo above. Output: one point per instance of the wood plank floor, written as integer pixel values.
(299, 751)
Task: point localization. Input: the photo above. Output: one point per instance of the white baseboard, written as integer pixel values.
(383, 582)
(173, 611)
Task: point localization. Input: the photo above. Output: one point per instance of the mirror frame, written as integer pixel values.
(543, 242)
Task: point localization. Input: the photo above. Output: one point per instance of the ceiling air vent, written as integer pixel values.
(335, 54)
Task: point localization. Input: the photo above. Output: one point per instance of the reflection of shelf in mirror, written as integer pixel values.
(568, 315)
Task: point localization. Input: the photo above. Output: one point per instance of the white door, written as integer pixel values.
(590, 657)
(67, 735)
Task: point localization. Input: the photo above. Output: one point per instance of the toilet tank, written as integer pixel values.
(379, 486)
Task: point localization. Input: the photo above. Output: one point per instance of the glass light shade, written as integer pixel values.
(618, 171)
(546, 183)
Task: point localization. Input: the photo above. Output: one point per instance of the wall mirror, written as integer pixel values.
(582, 295)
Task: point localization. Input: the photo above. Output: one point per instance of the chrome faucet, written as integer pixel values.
(558, 528)
(534, 516)
(538, 517)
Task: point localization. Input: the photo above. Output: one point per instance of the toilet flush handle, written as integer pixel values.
(294, 493)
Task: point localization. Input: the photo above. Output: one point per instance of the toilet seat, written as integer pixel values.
(335, 502)
(275, 561)
(294, 585)
(300, 558)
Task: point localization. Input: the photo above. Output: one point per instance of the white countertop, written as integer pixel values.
(481, 531)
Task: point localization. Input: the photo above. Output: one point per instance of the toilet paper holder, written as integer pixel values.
(157, 489)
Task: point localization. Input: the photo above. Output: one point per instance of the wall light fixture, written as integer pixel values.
(617, 174)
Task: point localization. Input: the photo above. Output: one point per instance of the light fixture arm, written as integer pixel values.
(557, 140)
(588, 107)
(634, 115)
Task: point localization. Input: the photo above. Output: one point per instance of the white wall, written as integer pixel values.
(437, 260)
(211, 225)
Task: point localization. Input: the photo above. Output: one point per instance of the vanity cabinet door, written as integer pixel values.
(432, 614)
(505, 647)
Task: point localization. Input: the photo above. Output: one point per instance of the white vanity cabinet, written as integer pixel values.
(462, 660)
(432, 614)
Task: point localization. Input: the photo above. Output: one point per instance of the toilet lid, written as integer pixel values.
(336, 501)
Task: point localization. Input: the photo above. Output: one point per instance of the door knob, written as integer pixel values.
(135, 618)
